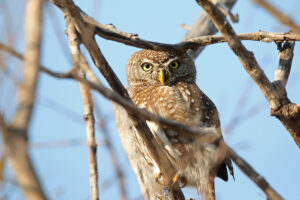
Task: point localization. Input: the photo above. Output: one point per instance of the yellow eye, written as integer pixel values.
(147, 66)
(174, 64)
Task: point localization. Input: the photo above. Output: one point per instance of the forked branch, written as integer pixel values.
(281, 107)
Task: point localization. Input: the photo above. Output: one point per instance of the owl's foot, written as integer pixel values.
(158, 177)
(180, 179)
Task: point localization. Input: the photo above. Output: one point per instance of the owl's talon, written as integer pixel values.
(183, 181)
(157, 177)
(175, 179)
(180, 179)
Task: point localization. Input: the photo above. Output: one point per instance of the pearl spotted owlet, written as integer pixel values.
(163, 82)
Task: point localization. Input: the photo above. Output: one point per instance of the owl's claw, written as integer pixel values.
(176, 179)
(157, 178)
(180, 179)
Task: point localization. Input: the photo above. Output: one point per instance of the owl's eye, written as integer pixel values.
(174, 64)
(147, 66)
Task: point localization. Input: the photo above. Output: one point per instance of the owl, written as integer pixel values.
(163, 82)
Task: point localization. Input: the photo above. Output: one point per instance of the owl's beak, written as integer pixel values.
(161, 76)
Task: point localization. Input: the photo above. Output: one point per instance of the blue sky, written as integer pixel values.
(260, 139)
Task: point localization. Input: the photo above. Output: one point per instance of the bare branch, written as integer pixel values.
(282, 18)
(16, 134)
(111, 33)
(88, 106)
(63, 143)
(254, 176)
(190, 41)
(280, 105)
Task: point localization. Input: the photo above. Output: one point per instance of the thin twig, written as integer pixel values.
(88, 107)
(282, 18)
(62, 143)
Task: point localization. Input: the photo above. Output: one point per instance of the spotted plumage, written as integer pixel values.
(163, 82)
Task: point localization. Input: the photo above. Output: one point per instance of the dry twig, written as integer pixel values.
(88, 105)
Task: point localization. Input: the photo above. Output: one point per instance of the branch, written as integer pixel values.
(111, 33)
(281, 107)
(15, 135)
(254, 176)
(189, 41)
(88, 105)
(282, 18)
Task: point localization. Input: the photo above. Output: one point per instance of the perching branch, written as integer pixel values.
(282, 18)
(281, 107)
(88, 105)
(15, 135)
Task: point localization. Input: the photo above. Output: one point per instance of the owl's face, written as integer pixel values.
(160, 67)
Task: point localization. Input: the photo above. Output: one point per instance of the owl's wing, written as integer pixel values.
(209, 117)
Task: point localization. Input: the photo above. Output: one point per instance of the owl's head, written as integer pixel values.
(160, 67)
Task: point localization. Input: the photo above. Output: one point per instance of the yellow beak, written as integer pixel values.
(161, 76)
